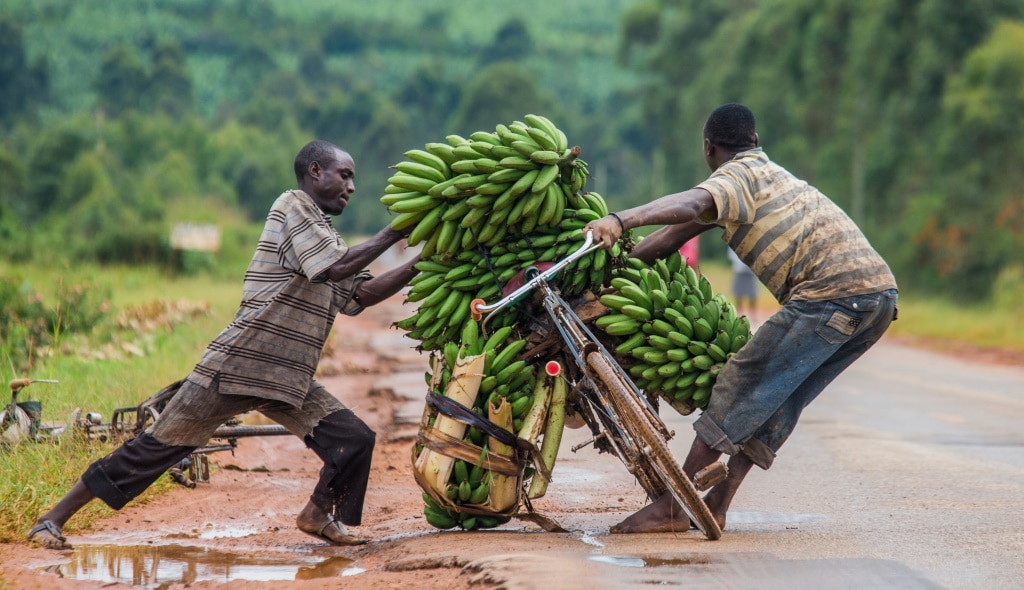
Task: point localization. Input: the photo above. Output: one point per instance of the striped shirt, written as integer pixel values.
(799, 243)
(272, 347)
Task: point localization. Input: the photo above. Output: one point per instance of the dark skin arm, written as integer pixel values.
(667, 240)
(678, 210)
(384, 285)
(359, 257)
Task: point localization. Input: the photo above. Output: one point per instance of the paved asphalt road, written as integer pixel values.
(908, 472)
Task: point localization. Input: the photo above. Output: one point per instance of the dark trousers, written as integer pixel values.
(340, 438)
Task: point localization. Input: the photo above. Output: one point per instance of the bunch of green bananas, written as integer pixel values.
(483, 209)
(505, 379)
(446, 518)
(477, 190)
(672, 331)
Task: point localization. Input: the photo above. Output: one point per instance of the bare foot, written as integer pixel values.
(661, 516)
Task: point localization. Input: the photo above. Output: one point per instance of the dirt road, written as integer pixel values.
(838, 512)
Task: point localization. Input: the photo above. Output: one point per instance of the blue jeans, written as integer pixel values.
(759, 395)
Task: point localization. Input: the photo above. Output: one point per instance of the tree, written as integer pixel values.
(429, 97)
(344, 37)
(170, 84)
(978, 231)
(512, 42)
(122, 82)
(500, 93)
(24, 86)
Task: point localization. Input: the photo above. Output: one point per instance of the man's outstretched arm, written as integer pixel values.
(667, 240)
(360, 256)
(674, 209)
(373, 291)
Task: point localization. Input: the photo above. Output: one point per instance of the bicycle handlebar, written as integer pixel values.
(19, 384)
(478, 307)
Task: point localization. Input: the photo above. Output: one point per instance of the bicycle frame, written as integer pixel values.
(18, 423)
(581, 343)
(619, 415)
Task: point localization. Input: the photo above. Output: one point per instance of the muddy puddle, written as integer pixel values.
(158, 567)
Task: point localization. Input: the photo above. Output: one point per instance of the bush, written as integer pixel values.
(1008, 289)
(29, 326)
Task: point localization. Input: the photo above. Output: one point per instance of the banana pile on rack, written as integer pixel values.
(674, 333)
(485, 207)
(483, 490)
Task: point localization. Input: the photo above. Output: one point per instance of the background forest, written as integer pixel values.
(118, 119)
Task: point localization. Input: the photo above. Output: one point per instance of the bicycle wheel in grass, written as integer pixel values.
(654, 449)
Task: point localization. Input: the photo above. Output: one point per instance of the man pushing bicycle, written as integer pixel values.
(838, 298)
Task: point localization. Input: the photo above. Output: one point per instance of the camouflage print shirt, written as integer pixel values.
(272, 347)
(799, 243)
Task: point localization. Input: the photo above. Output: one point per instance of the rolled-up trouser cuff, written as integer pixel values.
(759, 453)
(103, 488)
(131, 468)
(713, 436)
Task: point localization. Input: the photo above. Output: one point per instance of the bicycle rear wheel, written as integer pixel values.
(654, 449)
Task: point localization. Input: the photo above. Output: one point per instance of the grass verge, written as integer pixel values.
(130, 365)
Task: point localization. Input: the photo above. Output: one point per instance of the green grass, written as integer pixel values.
(33, 477)
(947, 324)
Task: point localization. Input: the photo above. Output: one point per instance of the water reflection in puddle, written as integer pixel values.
(647, 561)
(158, 567)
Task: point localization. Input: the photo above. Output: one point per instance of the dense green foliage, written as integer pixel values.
(119, 119)
(902, 112)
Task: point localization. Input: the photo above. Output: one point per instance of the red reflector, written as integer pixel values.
(553, 368)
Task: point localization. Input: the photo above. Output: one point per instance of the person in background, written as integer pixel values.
(301, 277)
(744, 286)
(838, 297)
(690, 251)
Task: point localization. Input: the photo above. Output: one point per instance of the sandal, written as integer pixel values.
(54, 539)
(333, 532)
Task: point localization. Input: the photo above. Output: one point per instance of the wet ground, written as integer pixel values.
(906, 474)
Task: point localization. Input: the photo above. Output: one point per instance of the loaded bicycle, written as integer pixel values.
(621, 418)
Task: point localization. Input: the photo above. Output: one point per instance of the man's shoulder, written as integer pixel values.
(292, 198)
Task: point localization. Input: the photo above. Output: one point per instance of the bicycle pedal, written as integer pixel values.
(199, 468)
(710, 476)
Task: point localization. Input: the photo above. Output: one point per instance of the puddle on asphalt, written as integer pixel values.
(750, 570)
(159, 567)
(647, 561)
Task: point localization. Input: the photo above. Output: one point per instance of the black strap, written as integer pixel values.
(454, 409)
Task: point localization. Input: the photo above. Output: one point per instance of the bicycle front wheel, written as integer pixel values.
(654, 449)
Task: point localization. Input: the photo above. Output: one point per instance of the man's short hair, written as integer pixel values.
(731, 126)
(317, 150)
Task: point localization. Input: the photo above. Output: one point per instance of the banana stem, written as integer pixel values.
(533, 423)
(503, 488)
(462, 387)
(552, 438)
